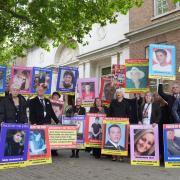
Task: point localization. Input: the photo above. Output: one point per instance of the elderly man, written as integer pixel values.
(40, 109)
(170, 99)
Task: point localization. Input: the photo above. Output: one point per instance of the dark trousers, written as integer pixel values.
(75, 152)
(97, 152)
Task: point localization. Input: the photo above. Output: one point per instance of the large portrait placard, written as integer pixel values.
(22, 77)
(144, 144)
(88, 90)
(62, 137)
(115, 136)
(14, 145)
(79, 122)
(119, 75)
(107, 90)
(93, 129)
(2, 79)
(42, 77)
(162, 61)
(171, 134)
(67, 79)
(39, 147)
(136, 76)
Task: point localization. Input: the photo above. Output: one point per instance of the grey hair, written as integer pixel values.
(120, 91)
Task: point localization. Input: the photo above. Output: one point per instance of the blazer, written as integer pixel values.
(155, 113)
(36, 112)
(109, 145)
(176, 111)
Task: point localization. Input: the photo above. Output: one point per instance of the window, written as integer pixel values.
(161, 7)
(106, 71)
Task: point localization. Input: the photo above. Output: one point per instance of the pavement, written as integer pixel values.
(88, 168)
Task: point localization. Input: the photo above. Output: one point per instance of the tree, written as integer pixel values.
(27, 23)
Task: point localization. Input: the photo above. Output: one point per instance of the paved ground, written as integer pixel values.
(86, 167)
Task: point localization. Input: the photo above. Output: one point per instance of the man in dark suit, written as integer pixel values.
(170, 99)
(114, 134)
(40, 109)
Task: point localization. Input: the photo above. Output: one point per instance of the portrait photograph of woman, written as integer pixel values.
(14, 143)
(37, 144)
(144, 142)
(136, 77)
(22, 77)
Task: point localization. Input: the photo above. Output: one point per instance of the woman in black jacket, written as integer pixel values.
(13, 107)
(150, 112)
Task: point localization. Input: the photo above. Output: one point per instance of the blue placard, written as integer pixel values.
(67, 79)
(42, 77)
(14, 142)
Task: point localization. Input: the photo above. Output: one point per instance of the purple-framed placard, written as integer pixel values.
(22, 77)
(67, 79)
(79, 121)
(14, 142)
(42, 77)
(88, 90)
(144, 145)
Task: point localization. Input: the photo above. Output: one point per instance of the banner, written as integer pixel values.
(107, 91)
(39, 147)
(115, 136)
(144, 143)
(88, 90)
(162, 61)
(171, 134)
(2, 79)
(63, 137)
(67, 79)
(93, 129)
(136, 76)
(42, 77)
(14, 145)
(119, 75)
(22, 77)
(79, 122)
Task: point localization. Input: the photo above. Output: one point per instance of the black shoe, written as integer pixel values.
(54, 153)
(77, 155)
(72, 156)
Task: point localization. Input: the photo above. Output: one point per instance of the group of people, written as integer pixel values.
(156, 109)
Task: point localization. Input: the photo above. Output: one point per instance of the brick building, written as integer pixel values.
(156, 21)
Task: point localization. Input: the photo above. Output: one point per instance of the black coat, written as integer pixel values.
(96, 110)
(119, 109)
(36, 112)
(155, 113)
(8, 111)
(170, 99)
(79, 111)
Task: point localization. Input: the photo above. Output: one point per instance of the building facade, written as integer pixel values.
(156, 21)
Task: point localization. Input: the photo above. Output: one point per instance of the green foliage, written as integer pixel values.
(27, 23)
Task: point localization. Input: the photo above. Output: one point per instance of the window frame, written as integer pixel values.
(156, 8)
